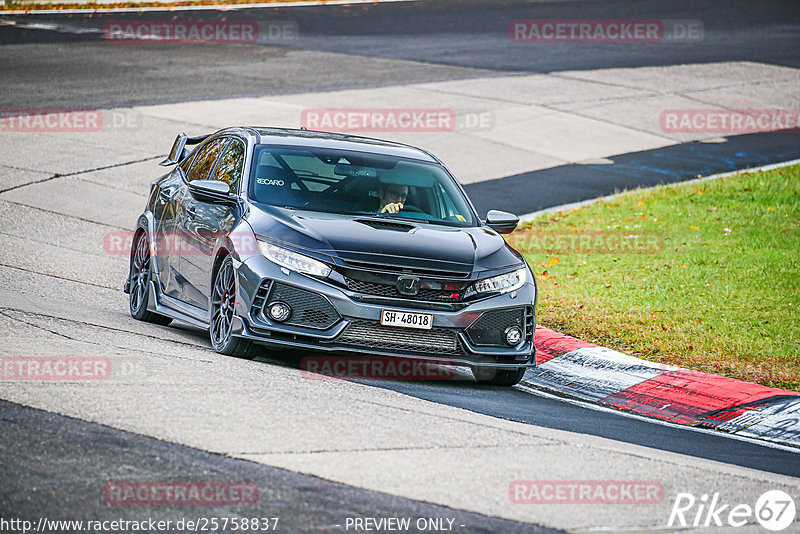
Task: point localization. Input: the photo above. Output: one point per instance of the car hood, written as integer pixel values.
(357, 240)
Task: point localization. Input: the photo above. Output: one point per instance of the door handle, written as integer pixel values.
(190, 211)
(164, 195)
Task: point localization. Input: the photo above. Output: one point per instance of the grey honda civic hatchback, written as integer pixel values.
(325, 242)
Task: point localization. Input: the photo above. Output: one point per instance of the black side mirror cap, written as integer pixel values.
(501, 222)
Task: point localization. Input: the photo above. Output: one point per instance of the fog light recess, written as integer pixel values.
(279, 311)
(513, 335)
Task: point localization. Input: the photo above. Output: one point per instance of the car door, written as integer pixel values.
(168, 195)
(203, 223)
(203, 163)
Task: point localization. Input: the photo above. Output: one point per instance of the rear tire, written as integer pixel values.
(140, 275)
(223, 307)
(498, 377)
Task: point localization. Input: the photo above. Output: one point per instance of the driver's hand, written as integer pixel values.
(392, 207)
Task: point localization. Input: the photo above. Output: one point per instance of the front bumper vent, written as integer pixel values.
(309, 309)
(530, 326)
(373, 335)
(488, 329)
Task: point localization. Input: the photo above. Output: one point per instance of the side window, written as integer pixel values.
(204, 161)
(187, 163)
(448, 211)
(230, 166)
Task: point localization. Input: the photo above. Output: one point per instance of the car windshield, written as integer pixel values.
(356, 183)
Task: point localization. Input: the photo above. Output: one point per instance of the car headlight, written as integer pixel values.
(293, 260)
(503, 283)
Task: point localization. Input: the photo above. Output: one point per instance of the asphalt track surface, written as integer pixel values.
(519, 405)
(68, 463)
(370, 46)
(537, 190)
(445, 39)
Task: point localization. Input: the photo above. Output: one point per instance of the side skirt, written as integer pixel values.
(164, 305)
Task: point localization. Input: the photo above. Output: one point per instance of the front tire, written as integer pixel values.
(223, 305)
(140, 283)
(498, 377)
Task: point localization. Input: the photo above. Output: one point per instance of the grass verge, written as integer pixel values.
(704, 276)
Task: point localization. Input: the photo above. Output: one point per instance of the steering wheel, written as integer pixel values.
(410, 208)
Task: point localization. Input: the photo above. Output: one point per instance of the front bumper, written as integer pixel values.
(333, 319)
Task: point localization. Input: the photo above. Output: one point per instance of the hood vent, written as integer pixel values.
(387, 225)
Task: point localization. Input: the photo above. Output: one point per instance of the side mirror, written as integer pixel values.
(211, 191)
(501, 222)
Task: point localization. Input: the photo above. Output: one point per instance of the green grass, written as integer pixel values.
(714, 284)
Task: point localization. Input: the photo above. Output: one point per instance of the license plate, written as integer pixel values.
(407, 319)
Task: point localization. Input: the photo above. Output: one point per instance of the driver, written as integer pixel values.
(392, 197)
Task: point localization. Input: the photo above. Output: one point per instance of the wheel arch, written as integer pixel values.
(219, 256)
(227, 246)
(141, 228)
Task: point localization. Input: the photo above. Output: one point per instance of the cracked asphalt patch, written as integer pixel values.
(22, 182)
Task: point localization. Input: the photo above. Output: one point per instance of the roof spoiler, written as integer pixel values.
(179, 151)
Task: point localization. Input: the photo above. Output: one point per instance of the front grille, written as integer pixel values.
(309, 309)
(488, 329)
(382, 290)
(372, 334)
(390, 291)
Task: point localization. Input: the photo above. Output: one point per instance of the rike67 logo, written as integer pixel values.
(774, 510)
